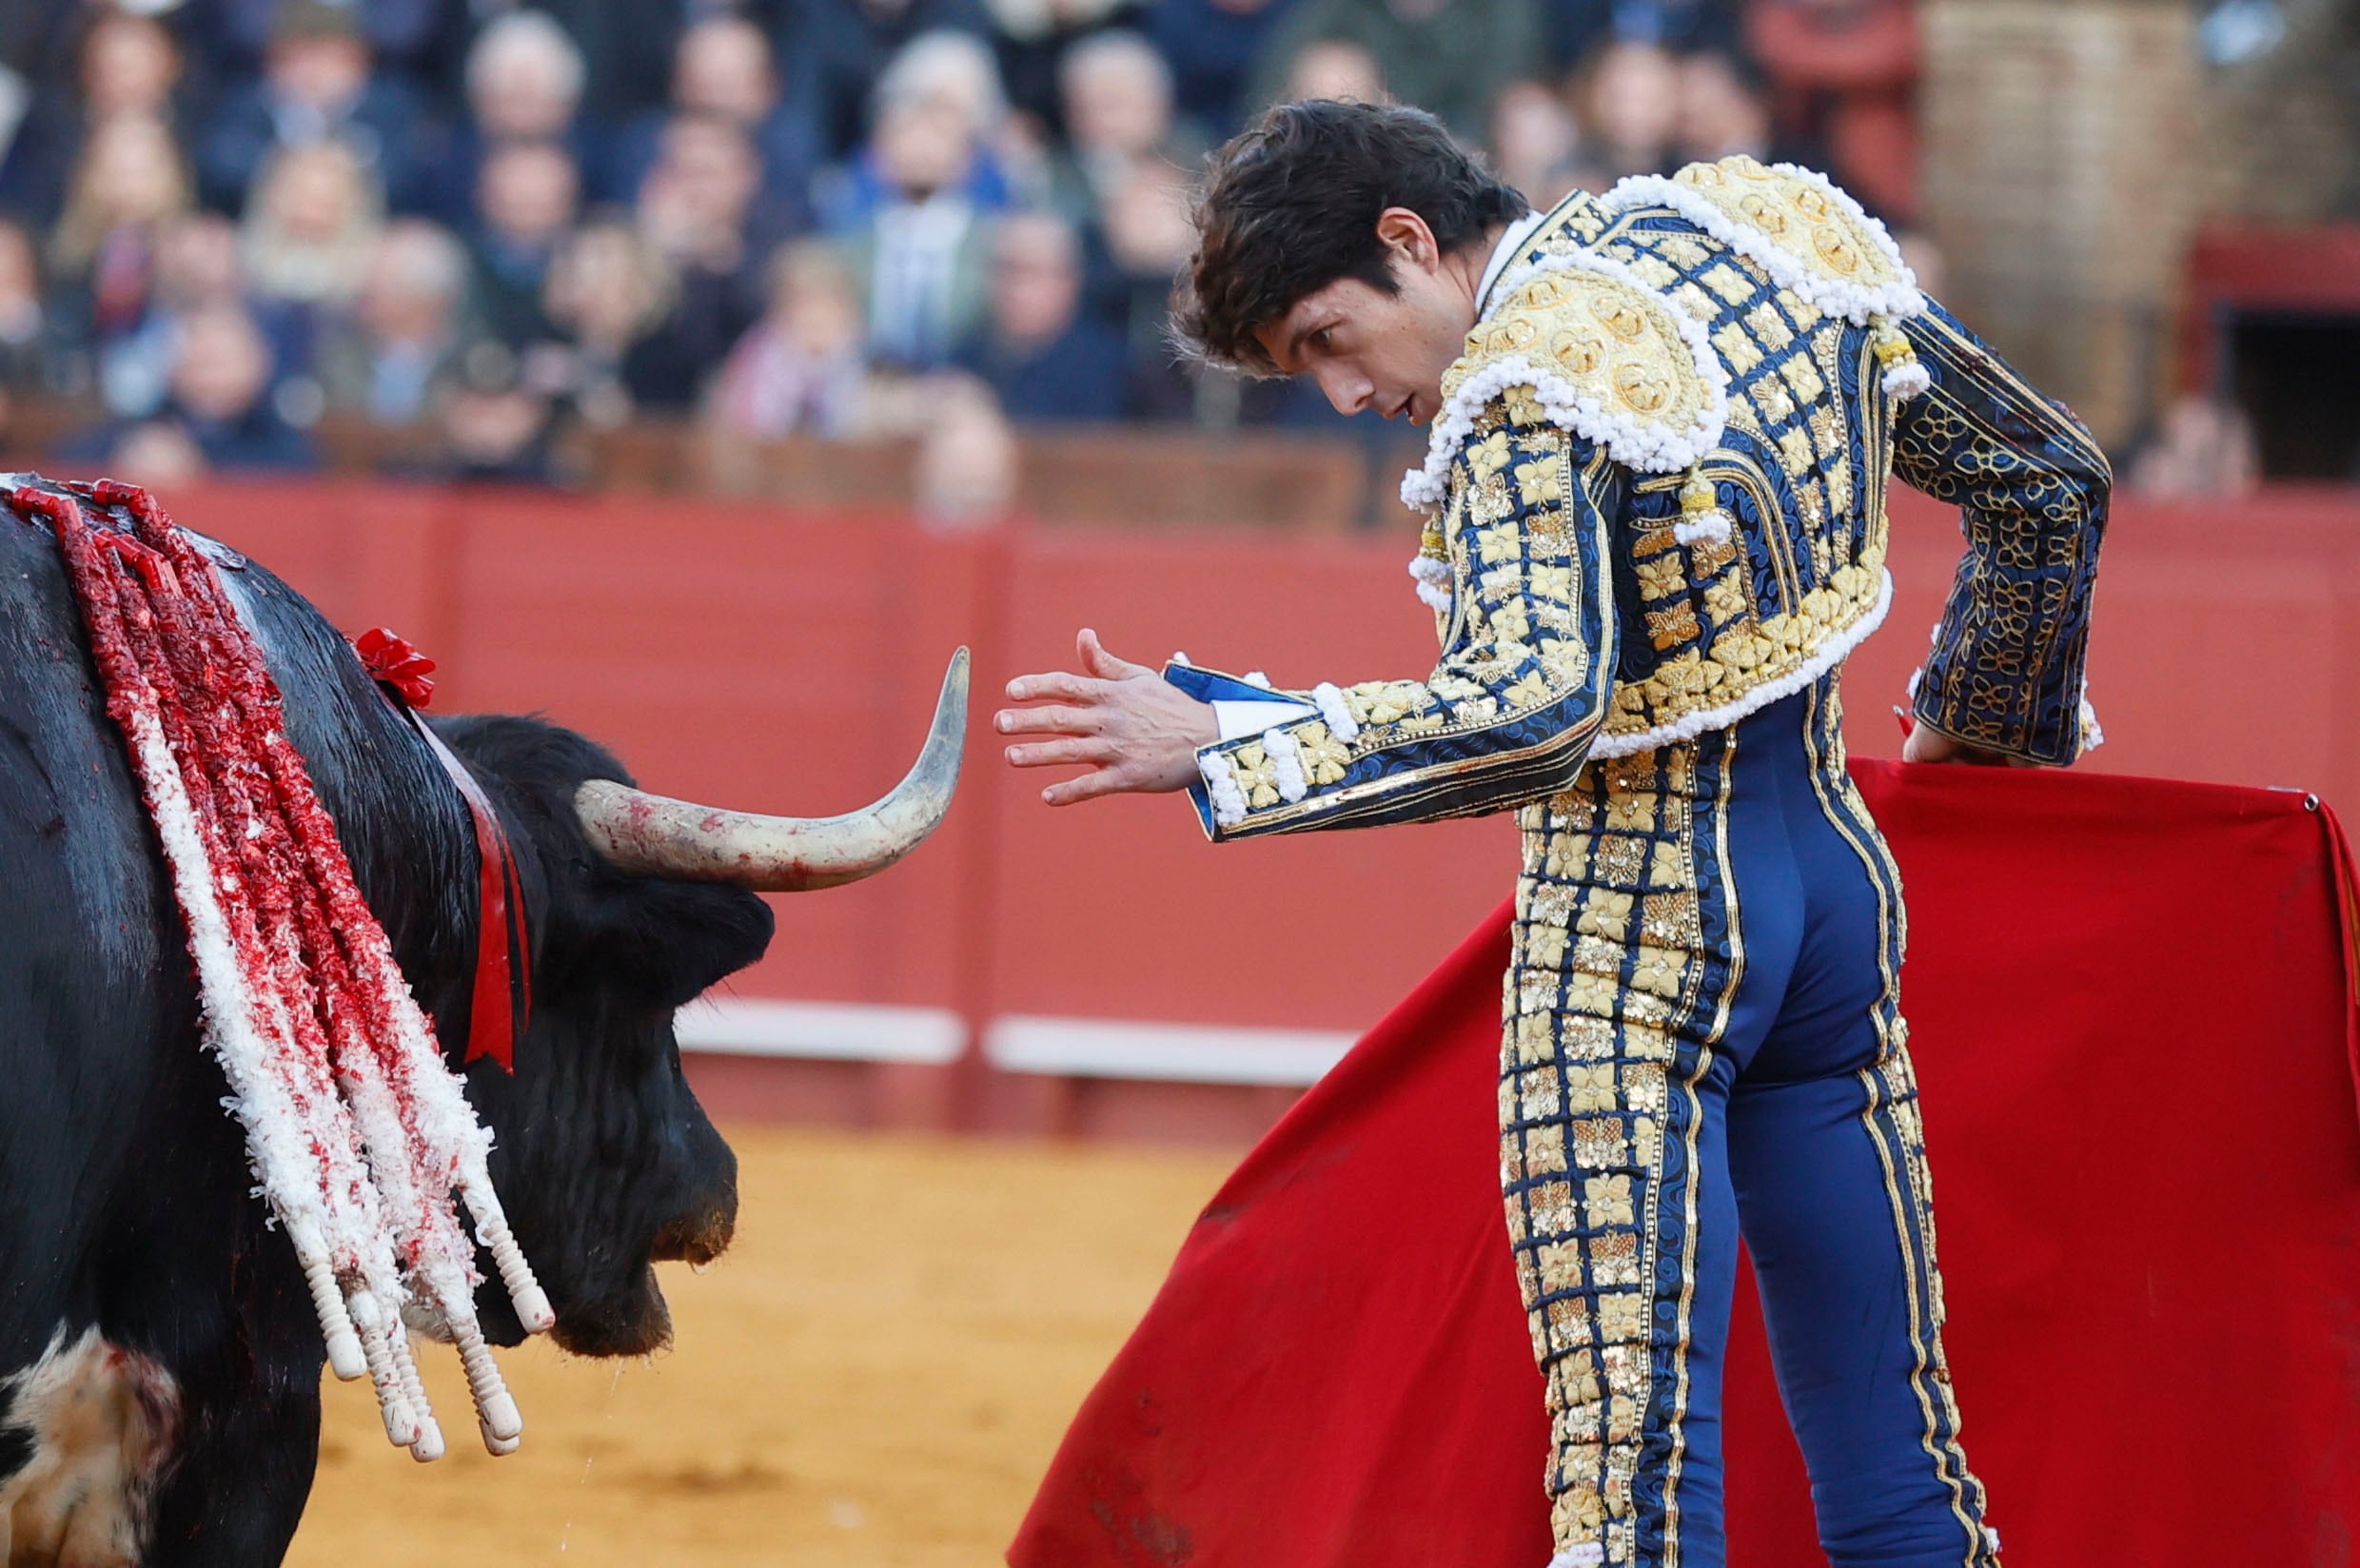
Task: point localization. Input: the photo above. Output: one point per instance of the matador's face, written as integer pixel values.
(1369, 349)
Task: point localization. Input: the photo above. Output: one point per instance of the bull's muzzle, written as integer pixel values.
(649, 835)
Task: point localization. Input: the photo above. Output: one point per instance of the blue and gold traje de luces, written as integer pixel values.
(1658, 525)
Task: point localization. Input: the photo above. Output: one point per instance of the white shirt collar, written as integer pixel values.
(1504, 252)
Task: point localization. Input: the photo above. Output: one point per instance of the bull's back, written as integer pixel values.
(87, 980)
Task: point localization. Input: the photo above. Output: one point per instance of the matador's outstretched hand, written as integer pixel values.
(1131, 729)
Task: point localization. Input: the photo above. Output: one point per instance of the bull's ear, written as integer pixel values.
(671, 941)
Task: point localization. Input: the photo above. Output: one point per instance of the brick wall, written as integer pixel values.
(2060, 138)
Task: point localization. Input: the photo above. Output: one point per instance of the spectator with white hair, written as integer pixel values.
(1034, 38)
(836, 51)
(524, 85)
(921, 242)
(398, 348)
(1118, 114)
(947, 81)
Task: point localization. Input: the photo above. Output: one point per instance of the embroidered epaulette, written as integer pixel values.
(1809, 235)
(1600, 355)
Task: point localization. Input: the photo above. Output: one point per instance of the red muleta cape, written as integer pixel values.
(2131, 1007)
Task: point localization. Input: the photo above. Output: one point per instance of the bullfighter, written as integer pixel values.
(1661, 420)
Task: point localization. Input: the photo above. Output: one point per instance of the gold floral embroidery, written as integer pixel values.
(1671, 627)
(1795, 454)
(1728, 283)
(1661, 578)
(1770, 327)
(1608, 1201)
(1725, 597)
(1695, 302)
(1533, 691)
(1589, 1089)
(1384, 701)
(1256, 777)
(1488, 456)
(1569, 854)
(1606, 913)
(1738, 351)
(1324, 757)
(1538, 482)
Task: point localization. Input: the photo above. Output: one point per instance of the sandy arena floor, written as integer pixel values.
(876, 1375)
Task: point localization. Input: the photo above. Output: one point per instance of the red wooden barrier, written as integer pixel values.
(786, 660)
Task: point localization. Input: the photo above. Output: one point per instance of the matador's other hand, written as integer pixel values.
(1924, 743)
(1131, 729)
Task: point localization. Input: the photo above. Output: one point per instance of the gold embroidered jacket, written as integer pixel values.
(1656, 488)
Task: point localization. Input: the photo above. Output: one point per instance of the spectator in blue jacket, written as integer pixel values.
(1211, 47)
(1049, 362)
(318, 85)
(220, 401)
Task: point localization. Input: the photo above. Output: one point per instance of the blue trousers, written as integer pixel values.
(1705, 1040)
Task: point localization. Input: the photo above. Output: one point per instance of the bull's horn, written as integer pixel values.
(648, 835)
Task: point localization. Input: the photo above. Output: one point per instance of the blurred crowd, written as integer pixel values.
(225, 221)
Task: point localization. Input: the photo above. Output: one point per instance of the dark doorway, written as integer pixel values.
(2297, 376)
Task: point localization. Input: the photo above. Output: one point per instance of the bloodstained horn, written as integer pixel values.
(648, 835)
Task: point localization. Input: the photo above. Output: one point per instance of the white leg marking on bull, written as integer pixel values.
(102, 1420)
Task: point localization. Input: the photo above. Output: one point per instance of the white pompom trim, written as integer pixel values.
(1330, 700)
(1714, 525)
(1433, 580)
(1830, 654)
(1649, 445)
(1854, 302)
(1908, 379)
(1285, 765)
(1255, 677)
(2093, 736)
(1220, 775)
(1588, 1554)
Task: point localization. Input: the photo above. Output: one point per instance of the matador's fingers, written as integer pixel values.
(1088, 786)
(1052, 720)
(1105, 665)
(1050, 753)
(1056, 685)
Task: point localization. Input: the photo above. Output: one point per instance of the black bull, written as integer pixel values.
(127, 1221)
